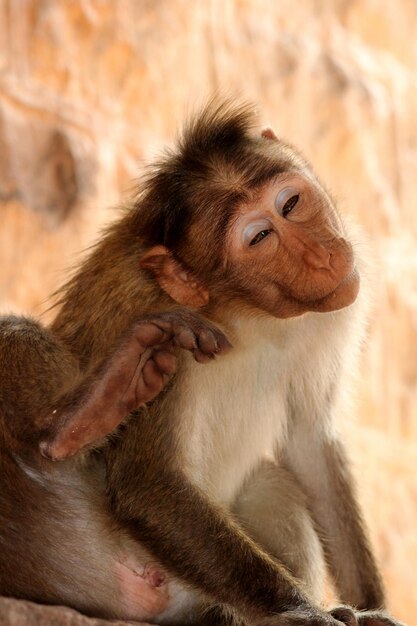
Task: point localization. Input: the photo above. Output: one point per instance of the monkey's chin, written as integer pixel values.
(344, 295)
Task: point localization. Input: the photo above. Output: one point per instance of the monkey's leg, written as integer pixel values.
(325, 477)
(273, 510)
(198, 541)
(36, 370)
(323, 470)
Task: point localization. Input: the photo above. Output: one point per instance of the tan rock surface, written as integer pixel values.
(20, 613)
(112, 79)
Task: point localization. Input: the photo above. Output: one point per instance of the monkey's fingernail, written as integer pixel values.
(186, 339)
(203, 357)
(224, 344)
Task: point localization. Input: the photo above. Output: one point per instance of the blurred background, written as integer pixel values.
(91, 88)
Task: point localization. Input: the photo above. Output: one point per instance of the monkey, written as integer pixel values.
(46, 399)
(143, 478)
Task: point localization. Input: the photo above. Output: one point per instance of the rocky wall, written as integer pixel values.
(91, 88)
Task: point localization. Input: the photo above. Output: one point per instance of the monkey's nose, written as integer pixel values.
(317, 257)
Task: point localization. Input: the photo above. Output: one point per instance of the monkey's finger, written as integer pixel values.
(375, 618)
(149, 334)
(207, 341)
(212, 340)
(185, 338)
(164, 328)
(344, 614)
(202, 357)
(151, 382)
(165, 361)
(223, 343)
(167, 346)
(209, 337)
(210, 344)
(183, 329)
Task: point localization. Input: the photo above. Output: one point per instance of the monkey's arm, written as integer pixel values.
(44, 397)
(321, 466)
(197, 540)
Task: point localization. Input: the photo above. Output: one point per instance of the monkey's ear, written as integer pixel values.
(268, 133)
(173, 278)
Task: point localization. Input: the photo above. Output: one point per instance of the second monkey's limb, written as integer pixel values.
(47, 398)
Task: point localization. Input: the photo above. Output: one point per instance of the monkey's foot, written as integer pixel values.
(348, 616)
(134, 374)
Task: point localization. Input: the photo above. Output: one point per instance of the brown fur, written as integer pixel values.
(113, 346)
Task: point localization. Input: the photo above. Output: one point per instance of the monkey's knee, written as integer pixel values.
(35, 369)
(273, 510)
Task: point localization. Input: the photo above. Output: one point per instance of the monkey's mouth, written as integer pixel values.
(344, 294)
(353, 275)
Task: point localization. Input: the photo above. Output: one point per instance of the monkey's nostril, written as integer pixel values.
(318, 258)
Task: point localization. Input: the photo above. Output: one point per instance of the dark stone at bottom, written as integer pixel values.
(22, 613)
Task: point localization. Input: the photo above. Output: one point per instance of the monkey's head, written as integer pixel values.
(236, 216)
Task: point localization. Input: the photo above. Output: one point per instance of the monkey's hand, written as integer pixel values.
(149, 353)
(132, 375)
(363, 618)
(336, 617)
(309, 616)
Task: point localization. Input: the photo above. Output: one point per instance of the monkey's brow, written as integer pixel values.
(232, 204)
(229, 213)
(231, 207)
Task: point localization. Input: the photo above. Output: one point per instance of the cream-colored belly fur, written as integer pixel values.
(234, 411)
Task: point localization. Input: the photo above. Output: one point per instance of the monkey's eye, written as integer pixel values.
(286, 200)
(261, 235)
(256, 231)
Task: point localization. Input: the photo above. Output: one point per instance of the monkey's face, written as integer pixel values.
(286, 250)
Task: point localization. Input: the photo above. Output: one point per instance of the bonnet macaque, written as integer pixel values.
(142, 478)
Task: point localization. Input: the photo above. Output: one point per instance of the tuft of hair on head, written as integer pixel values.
(221, 126)
(217, 162)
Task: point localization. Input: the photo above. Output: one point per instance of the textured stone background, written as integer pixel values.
(89, 88)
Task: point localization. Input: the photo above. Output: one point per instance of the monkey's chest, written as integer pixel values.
(234, 415)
